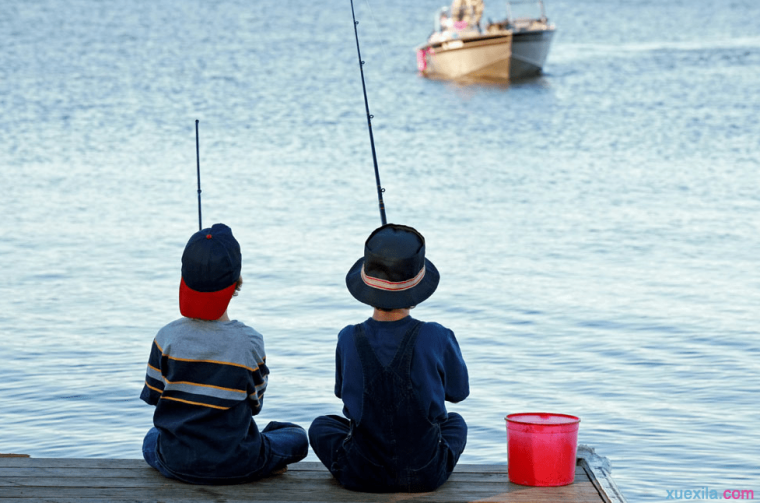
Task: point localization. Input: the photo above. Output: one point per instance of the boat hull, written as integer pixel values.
(529, 51)
(479, 58)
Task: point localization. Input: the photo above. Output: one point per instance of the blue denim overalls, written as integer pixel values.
(394, 447)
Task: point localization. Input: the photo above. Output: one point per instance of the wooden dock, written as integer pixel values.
(24, 479)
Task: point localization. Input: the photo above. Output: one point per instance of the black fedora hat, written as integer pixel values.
(394, 273)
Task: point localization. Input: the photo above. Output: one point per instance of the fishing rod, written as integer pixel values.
(380, 189)
(198, 161)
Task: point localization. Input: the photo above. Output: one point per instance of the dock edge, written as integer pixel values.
(598, 469)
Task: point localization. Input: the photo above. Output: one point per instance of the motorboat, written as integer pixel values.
(531, 39)
(460, 50)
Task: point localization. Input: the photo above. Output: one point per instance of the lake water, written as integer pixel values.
(597, 229)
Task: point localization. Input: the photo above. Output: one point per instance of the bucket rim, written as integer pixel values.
(512, 418)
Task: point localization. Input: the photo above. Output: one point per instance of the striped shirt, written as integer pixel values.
(207, 379)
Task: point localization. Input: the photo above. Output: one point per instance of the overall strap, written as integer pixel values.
(403, 359)
(367, 357)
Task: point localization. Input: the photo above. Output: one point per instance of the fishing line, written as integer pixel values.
(378, 28)
(380, 189)
(198, 162)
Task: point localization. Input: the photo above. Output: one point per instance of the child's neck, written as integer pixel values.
(394, 315)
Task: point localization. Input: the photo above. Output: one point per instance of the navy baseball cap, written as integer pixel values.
(210, 270)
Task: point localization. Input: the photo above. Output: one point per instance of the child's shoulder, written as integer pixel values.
(432, 331)
(348, 330)
(172, 327)
(432, 326)
(252, 337)
(249, 331)
(241, 331)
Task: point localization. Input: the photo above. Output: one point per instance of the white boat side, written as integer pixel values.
(485, 56)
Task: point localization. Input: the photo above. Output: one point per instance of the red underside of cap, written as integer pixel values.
(204, 305)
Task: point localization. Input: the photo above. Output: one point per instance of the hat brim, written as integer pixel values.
(384, 299)
(204, 305)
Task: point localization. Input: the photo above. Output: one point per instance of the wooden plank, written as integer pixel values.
(269, 486)
(139, 464)
(111, 480)
(73, 473)
(176, 492)
(73, 462)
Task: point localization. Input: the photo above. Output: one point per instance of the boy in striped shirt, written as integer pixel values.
(207, 375)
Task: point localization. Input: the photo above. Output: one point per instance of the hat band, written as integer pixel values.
(393, 286)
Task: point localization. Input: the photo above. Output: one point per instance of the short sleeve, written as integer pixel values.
(154, 382)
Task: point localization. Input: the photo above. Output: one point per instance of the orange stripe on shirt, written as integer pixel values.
(154, 389)
(204, 385)
(194, 403)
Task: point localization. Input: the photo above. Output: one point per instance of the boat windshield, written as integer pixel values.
(525, 12)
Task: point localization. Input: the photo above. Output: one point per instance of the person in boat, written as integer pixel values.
(207, 375)
(394, 374)
(469, 11)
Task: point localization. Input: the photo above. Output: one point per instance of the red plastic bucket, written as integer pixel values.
(541, 448)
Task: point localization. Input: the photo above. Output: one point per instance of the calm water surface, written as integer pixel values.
(597, 229)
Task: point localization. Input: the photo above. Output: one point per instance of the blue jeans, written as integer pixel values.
(328, 435)
(285, 443)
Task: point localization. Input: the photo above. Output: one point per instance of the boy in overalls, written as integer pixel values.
(393, 374)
